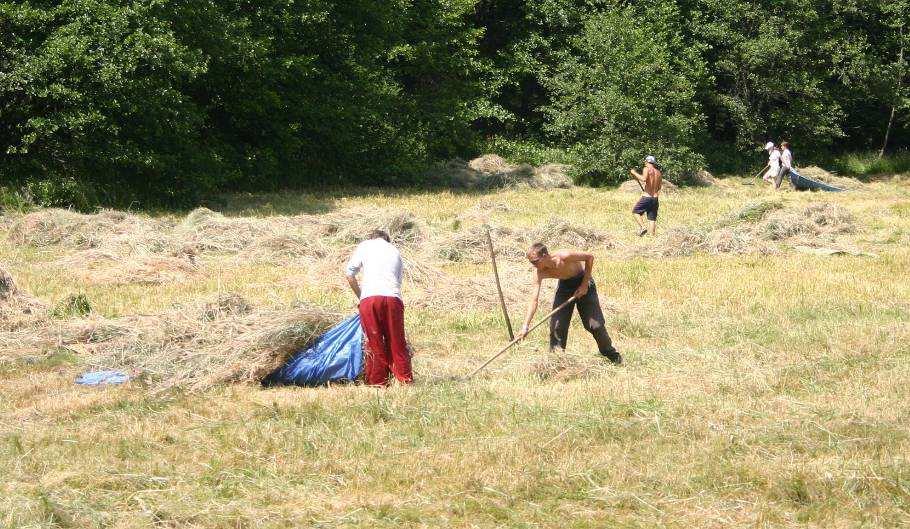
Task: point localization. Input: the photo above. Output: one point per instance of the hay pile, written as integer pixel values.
(491, 171)
(752, 212)
(758, 227)
(470, 244)
(704, 178)
(200, 348)
(558, 232)
(17, 308)
(225, 340)
(560, 366)
(120, 248)
(351, 226)
(823, 220)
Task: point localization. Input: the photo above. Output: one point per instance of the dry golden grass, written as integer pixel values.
(761, 388)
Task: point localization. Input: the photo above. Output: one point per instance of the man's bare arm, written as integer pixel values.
(355, 286)
(637, 176)
(532, 306)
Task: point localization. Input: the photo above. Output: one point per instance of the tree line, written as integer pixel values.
(164, 101)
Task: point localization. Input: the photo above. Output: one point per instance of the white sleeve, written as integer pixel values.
(356, 262)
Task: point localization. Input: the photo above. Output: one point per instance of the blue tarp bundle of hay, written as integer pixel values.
(336, 356)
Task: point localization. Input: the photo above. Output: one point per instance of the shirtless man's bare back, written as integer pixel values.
(651, 182)
(573, 270)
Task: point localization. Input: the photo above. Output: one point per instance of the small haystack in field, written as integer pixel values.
(491, 171)
(729, 240)
(552, 176)
(816, 220)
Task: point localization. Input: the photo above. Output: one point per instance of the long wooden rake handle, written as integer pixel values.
(516, 340)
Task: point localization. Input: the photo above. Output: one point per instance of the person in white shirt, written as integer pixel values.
(786, 163)
(773, 166)
(381, 309)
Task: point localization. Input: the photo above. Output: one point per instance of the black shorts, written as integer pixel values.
(647, 205)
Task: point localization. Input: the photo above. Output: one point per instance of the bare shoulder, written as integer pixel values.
(568, 256)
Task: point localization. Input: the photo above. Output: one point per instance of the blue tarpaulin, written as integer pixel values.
(804, 183)
(336, 356)
(100, 378)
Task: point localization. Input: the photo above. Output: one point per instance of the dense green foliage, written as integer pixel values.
(105, 101)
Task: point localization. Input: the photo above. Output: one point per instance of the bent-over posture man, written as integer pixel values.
(381, 309)
(573, 270)
(651, 181)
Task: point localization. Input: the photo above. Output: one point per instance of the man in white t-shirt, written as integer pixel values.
(381, 309)
(786, 163)
(773, 163)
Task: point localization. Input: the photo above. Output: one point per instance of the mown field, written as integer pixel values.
(762, 386)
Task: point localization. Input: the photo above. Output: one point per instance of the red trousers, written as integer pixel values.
(382, 318)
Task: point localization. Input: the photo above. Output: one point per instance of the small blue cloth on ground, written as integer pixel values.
(336, 356)
(99, 378)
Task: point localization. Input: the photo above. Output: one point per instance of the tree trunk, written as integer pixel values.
(900, 78)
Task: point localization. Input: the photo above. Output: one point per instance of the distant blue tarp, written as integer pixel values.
(804, 183)
(336, 356)
(100, 378)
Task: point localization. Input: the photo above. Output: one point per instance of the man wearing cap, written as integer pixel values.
(773, 166)
(381, 309)
(651, 181)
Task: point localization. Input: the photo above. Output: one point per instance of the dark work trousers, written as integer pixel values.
(588, 309)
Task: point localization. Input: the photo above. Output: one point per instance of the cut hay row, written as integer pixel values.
(18, 309)
(227, 339)
(222, 341)
(757, 228)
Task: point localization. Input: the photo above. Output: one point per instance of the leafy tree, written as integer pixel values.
(625, 87)
(90, 90)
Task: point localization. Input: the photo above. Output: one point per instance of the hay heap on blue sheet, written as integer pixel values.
(336, 356)
(804, 183)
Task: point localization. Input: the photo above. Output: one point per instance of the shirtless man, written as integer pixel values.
(573, 270)
(651, 182)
